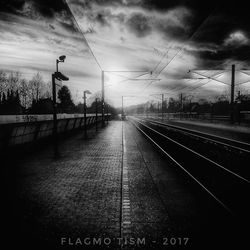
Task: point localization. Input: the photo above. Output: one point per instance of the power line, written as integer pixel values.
(126, 71)
(202, 84)
(190, 38)
(85, 39)
(128, 78)
(133, 78)
(177, 88)
(242, 83)
(113, 73)
(154, 69)
(173, 90)
(213, 77)
(182, 48)
(165, 52)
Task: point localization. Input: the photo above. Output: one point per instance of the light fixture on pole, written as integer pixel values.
(60, 77)
(61, 59)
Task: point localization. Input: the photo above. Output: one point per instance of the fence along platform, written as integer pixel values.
(21, 129)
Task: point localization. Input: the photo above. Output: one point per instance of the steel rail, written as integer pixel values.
(187, 172)
(198, 154)
(203, 136)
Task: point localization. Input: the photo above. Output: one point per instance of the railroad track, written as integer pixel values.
(229, 188)
(226, 142)
(232, 154)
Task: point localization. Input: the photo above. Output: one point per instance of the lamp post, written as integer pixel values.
(60, 77)
(85, 111)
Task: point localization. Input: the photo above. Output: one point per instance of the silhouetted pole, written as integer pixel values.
(96, 114)
(232, 93)
(158, 109)
(107, 114)
(54, 116)
(59, 77)
(181, 105)
(162, 99)
(122, 109)
(103, 121)
(85, 114)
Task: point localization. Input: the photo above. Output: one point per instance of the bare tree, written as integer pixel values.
(14, 80)
(3, 81)
(36, 86)
(24, 93)
(47, 93)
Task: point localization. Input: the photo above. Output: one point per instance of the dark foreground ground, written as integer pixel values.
(109, 189)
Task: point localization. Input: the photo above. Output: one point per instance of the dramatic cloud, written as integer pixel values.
(236, 39)
(139, 24)
(165, 37)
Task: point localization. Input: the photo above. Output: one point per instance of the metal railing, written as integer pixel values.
(21, 129)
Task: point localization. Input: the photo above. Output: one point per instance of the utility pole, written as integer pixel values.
(122, 109)
(60, 77)
(181, 97)
(232, 93)
(162, 100)
(181, 113)
(107, 109)
(158, 109)
(96, 114)
(54, 116)
(103, 121)
(85, 114)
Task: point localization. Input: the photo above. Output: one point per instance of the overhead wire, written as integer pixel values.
(130, 79)
(81, 32)
(166, 51)
(210, 79)
(192, 88)
(190, 38)
(154, 70)
(164, 55)
(244, 81)
(183, 46)
(113, 73)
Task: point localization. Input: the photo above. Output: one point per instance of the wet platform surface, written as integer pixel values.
(112, 186)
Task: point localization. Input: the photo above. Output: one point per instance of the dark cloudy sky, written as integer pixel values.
(165, 37)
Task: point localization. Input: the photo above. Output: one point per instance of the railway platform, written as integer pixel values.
(112, 190)
(235, 131)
